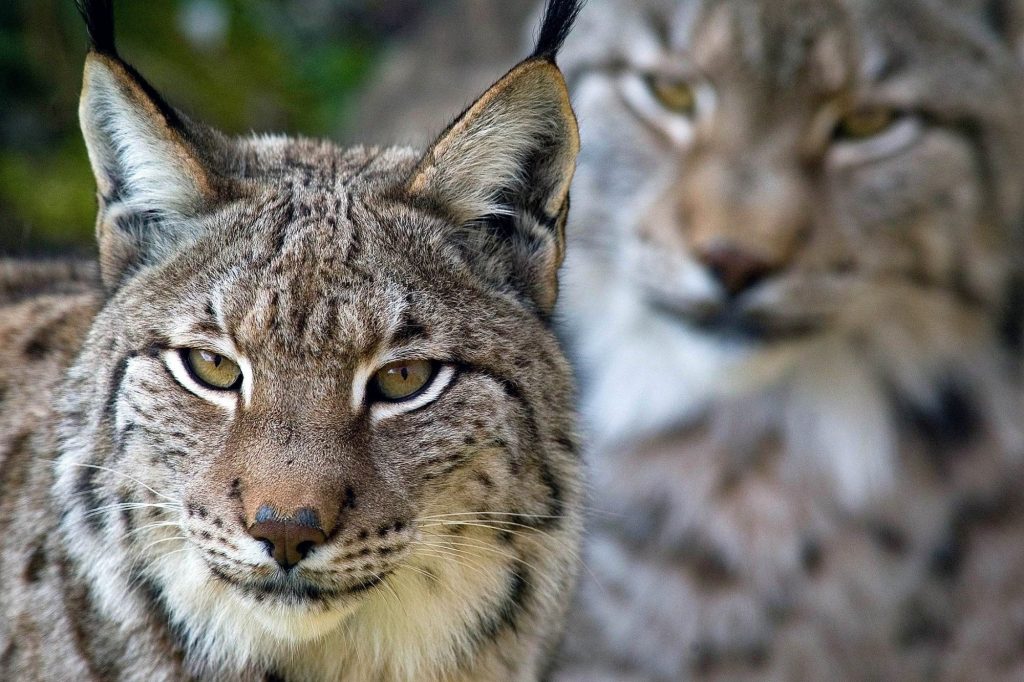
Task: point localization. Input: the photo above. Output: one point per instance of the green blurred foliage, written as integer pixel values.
(240, 65)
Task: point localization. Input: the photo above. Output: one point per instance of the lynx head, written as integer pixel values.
(817, 201)
(313, 359)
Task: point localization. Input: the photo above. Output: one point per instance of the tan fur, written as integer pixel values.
(805, 478)
(129, 490)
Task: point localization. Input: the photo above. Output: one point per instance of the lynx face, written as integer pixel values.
(771, 190)
(321, 423)
(302, 294)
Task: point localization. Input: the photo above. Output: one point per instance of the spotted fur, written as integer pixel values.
(125, 491)
(815, 475)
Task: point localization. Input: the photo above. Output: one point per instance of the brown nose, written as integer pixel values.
(735, 269)
(288, 538)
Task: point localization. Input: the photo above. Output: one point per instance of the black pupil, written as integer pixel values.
(405, 373)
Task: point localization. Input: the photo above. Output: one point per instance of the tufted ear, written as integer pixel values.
(504, 167)
(148, 160)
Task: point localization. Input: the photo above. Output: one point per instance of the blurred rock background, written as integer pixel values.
(296, 66)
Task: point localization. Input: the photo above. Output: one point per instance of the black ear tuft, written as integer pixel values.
(99, 21)
(559, 16)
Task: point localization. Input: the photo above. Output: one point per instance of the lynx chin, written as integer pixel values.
(307, 419)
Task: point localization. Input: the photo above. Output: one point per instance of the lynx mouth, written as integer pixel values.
(735, 321)
(294, 589)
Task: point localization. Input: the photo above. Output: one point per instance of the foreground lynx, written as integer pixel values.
(310, 421)
(795, 291)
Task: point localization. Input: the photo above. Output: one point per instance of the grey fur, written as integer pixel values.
(128, 487)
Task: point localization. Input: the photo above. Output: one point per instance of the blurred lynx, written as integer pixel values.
(794, 291)
(309, 421)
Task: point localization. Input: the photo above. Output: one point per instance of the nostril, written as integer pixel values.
(267, 545)
(288, 539)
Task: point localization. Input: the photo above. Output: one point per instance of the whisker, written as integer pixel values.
(465, 548)
(129, 505)
(493, 513)
(148, 526)
(500, 529)
(442, 553)
(157, 542)
(119, 473)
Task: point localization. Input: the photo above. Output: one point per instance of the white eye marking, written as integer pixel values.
(226, 399)
(440, 381)
(679, 127)
(897, 137)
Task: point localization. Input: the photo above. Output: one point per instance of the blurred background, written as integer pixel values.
(240, 65)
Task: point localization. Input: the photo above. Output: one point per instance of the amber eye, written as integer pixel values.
(675, 95)
(863, 123)
(212, 370)
(402, 380)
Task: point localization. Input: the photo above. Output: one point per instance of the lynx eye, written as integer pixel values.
(212, 370)
(866, 122)
(402, 380)
(676, 95)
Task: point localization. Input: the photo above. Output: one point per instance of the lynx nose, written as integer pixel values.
(290, 538)
(735, 269)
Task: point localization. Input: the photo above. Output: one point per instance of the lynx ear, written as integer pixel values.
(504, 167)
(136, 143)
(517, 144)
(145, 155)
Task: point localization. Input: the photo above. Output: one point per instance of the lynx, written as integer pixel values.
(794, 294)
(308, 419)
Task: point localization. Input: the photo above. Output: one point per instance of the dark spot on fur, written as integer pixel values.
(201, 511)
(218, 522)
(567, 444)
(205, 535)
(9, 654)
(556, 505)
(919, 625)
(484, 480)
(235, 491)
(506, 615)
(811, 556)
(45, 339)
(409, 330)
(890, 538)
(952, 421)
(947, 558)
(364, 534)
(710, 568)
(705, 658)
(383, 530)
(85, 486)
(349, 500)
(36, 564)
(1012, 327)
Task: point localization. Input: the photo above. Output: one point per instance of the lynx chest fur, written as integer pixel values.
(309, 420)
